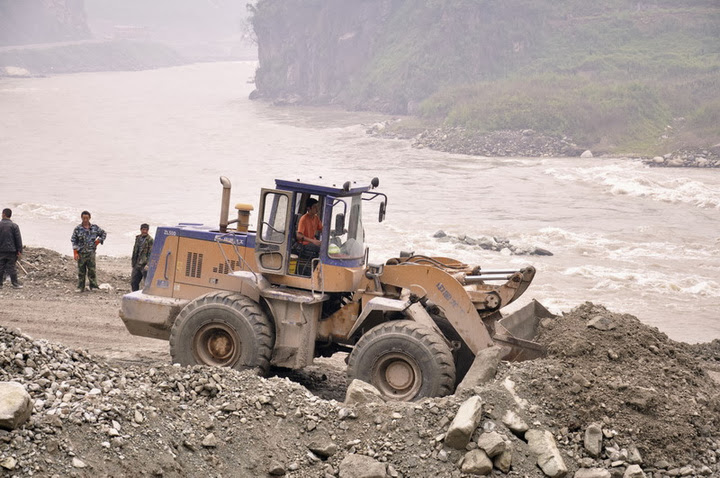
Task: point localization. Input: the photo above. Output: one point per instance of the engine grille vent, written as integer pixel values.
(193, 267)
(223, 268)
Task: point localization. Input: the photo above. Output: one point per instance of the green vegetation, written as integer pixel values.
(618, 76)
(92, 56)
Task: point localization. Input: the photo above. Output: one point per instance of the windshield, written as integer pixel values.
(347, 235)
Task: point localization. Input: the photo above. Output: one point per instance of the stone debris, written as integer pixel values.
(650, 405)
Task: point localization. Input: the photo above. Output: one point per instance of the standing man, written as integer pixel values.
(141, 257)
(10, 248)
(85, 239)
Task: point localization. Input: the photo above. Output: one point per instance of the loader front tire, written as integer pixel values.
(404, 361)
(223, 329)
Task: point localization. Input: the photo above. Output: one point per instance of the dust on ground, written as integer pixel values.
(110, 404)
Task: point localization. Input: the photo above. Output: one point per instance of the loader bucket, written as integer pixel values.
(517, 331)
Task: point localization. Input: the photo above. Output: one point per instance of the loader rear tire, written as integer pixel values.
(223, 329)
(404, 361)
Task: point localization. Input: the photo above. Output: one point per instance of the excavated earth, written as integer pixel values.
(109, 404)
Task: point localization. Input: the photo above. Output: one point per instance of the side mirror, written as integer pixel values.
(381, 212)
(339, 224)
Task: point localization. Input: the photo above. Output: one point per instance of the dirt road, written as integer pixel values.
(47, 307)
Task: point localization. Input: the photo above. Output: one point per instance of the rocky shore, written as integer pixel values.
(526, 143)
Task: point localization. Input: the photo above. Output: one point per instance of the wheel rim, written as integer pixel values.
(397, 376)
(216, 344)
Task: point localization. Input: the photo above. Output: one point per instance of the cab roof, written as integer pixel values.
(323, 187)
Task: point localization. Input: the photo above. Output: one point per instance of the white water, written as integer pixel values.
(149, 146)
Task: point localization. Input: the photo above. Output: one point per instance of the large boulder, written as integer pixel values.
(15, 405)
(482, 370)
(464, 424)
(542, 445)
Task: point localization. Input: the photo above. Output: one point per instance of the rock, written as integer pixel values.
(15, 405)
(78, 463)
(483, 368)
(634, 456)
(362, 392)
(503, 461)
(513, 421)
(492, 443)
(476, 462)
(210, 441)
(542, 445)
(601, 323)
(464, 424)
(586, 154)
(592, 473)
(276, 469)
(361, 466)
(634, 471)
(593, 440)
(641, 398)
(323, 448)
(439, 234)
(9, 463)
(538, 251)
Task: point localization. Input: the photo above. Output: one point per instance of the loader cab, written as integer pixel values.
(342, 241)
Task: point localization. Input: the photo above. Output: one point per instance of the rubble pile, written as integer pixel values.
(613, 398)
(49, 269)
(654, 399)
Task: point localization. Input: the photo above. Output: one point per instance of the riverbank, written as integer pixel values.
(523, 143)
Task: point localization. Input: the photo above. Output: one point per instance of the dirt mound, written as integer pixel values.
(645, 389)
(49, 268)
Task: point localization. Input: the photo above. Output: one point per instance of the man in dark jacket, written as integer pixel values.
(141, 257)
(10, 248)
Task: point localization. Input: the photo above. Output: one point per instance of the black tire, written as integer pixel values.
(463, 356)
(404, 361)
(223, 329)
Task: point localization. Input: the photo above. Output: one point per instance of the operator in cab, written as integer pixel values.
(309, 227)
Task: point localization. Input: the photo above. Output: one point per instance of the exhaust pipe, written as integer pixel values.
(225, 205)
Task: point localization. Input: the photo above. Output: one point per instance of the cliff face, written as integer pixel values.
(42, 21)
(311, 49)
(385, 54)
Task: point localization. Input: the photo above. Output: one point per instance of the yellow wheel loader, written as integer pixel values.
(230, 296)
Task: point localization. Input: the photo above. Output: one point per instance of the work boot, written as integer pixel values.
(17, 286)
(80, 289)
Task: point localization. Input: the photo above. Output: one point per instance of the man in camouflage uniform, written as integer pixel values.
(85, 239)
(11, 247)
(141, 257)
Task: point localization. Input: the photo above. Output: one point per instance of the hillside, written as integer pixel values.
(619, 77)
